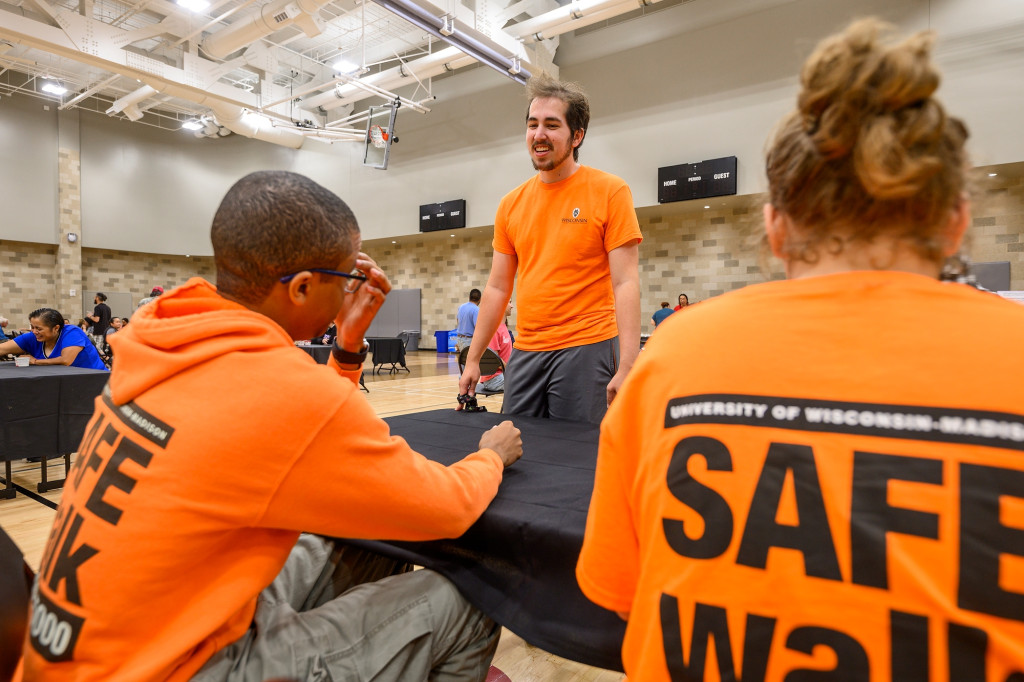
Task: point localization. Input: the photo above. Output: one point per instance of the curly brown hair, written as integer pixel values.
(868, 151)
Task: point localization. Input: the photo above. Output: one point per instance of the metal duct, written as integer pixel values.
(470, 41)
(431, 65)
(271, 17)
(576, 14)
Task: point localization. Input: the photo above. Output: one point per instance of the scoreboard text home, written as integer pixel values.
(446, 215)
(713, 178)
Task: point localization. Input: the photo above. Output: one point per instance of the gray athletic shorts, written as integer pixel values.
(570, 383)
(312, 624)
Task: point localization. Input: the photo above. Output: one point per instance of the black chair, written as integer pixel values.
(15, 588)
(490, 363)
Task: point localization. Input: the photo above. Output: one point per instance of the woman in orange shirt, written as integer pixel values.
(836, 489)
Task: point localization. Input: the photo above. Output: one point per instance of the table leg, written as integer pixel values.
(8, 492)
(44, 485)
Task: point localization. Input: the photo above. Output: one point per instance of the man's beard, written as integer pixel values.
(549, 164)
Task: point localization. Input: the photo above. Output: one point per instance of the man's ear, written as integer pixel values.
(776, 227)
(577, 138)
(298, 287)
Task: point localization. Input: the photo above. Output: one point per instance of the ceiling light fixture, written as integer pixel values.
(192, 124)
(54, 88)
(344, 66)
(992, 175)
(194, 5)
(444, 28)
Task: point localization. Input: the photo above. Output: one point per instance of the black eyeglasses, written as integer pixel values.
(355, 278)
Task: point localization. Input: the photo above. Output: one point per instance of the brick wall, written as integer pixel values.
(702, 253)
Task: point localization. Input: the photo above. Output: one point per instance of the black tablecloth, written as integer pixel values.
(320, 353)
(387, 351)
(44, 409)
(517, 563)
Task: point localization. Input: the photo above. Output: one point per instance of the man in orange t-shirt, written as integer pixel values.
(570, 235)
(176, 552)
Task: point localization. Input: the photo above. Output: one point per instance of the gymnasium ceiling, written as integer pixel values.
(285, 71)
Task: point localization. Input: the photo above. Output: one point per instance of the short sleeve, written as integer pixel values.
(27, 343)
(502, 243)
(623, 226)
(71, 338)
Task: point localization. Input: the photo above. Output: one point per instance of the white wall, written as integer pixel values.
(28, 170)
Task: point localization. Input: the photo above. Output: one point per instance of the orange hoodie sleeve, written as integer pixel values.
(350, 374)
(356, 480)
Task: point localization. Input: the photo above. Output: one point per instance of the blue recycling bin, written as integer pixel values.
(445, 341)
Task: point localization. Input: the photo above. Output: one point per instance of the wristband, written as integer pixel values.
(344, 357)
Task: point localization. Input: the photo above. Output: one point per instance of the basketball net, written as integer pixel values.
(378, 137)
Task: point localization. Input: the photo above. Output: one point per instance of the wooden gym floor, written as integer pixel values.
(432, 384)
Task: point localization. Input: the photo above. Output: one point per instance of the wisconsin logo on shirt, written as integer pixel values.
(575, 217)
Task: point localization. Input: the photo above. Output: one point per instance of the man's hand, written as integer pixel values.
(469, 379)
(355, 316)
(615, 384)
(506, 440)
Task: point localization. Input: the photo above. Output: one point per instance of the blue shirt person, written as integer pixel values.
(660, 315)
(51, 342)
(467, 315)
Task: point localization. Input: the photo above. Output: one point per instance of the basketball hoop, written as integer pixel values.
(378, 136)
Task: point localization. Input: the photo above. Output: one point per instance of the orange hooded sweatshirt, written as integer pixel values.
(215, 443)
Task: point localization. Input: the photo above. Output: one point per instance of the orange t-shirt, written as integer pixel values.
(561, 234)
(216, 443)
(834, 488)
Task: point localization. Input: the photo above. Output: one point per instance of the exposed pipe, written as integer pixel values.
(235, 118)
(249, 124)
(356, 96)
(470, 41)
(128, 104)
(130, 99)
(91, 91)
(270, 18)
(576, 14)
(28, 32)
(431, 65)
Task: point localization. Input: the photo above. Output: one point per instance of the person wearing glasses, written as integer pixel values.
(813, 499)
(177, 553)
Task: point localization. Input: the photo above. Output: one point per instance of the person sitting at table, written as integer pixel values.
(328, 337)
(51, 342)
(661, 314)
(815, 498)
(216, 444)
(116, 323)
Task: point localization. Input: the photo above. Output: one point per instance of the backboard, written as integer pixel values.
(380, 134)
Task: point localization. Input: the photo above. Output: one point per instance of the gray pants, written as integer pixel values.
(312, 624)
(570, 383)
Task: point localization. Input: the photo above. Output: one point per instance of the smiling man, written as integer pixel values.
(571, 236)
